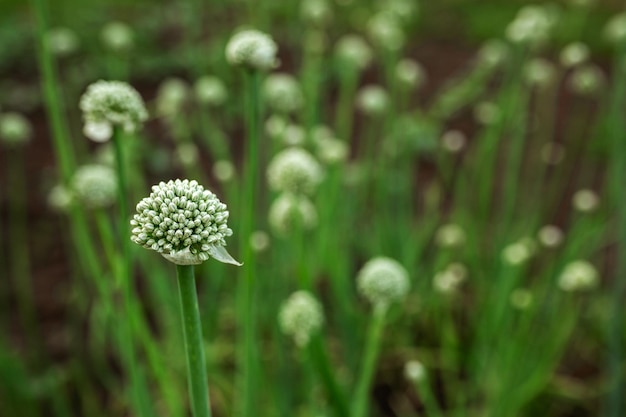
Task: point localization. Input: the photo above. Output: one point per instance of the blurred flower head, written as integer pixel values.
(352, 51)
(578, 276)
(117, 37)
(283, 93)
(15, 129)
(252, 49)
(383, 281)
(373, 100)
(210, 91)
(294, 170)
(301, 316)
(574, 54)
(95, 186)
(290, 212)
(62, 41)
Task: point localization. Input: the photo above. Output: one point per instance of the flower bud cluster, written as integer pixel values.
(301, 316)
(382, 281)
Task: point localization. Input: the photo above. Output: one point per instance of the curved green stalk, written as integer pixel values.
(192, 330)
(374, 337)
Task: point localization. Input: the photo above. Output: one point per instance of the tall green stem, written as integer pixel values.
(247, 355)
(192, 330)
(374, 337)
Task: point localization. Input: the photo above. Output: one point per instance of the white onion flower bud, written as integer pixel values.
(449, 280)
(531, 26)
(289, 212)
(521, 298)
(586, 80)
(95, 185)
(259, 241)
(300, 317)
(585, 200)
(539, 72)
(353, 52)
(493, 53)
(117, 37)
(293, 135)
(15, 129)
(373, 100)
(578, 276)
(450, 236)
(550, 236)
(171, 97)
(224, 170)
(414, 371)
(210, 91)
(331, 151)
(487, 113)
(410, 73)
(62, 41)
(519, 252)
(187, 154)
(109, 104)
(382, 281)
(283, 93)
(60, 198)
(316, 12)
(615, 29)
(453, 141)
(275, 125)
(574, 54)
(552, 153)
(184, 222)
(385, 31)
(294, 170)
(252, 49)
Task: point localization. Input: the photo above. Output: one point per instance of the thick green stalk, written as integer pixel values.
(348, 80)
(192, 330)
(324, 369)
(248, 352)
(372, 348)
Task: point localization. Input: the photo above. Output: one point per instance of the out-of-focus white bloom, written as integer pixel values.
(60, 198)
(331, 150)
(519, 252)
(586, 79)
(352, 51)
(453, 141)
(383, 281)
(539, 72)
(117, 37)
(275, 126)
(585, 200)
(493, 53)
(402, 10)
(582, 3)
(414, 371)
(62, 41)
(448, 280)
(385, 31)
(294, 170)
(578, 276)
(521, 298)
(552, 153)
(253, 49)
(95, 185)
(615, 29)
(108, 104)
(574, 54)
(450, 236)
(223, 170)
(290, 211)
(486, 112)
(188, 154)
(15, 129)
(210, 91)
(293, 135)
(373, 100)
(316, 12)
(171, 97)
(184, 222)
(260, 241)
(410, 73)
(283, 93)
(550, 236)
(531, 25)
(301, 316)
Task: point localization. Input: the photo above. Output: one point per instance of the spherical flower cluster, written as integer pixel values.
(316, 12)
(615, 29)
(521, 298)
(109, 104)
(95, 185)
(574, 54)
(294, 170)
(210, 91)
(373, 100)
(224, 170)
(550, 236)
(259, 241)
(60, 198)
(282, 93)
(493, 53)
(539, 72)
(331, 150)
(171, 97)
(352, 51)
(290, 211)
(450, 236)
(410, 73)
(414, 371)
(519, 252)
(453, 141)
(578, 275)
(117, 36)
(15, 129)
(385, 31)
(585, 200)
(62, 41)
(532, 26)
(293, 135)
(586, 80)
(187, 153)
(382, 281)
(449, 280)
(487, 112)
(184, 222)
(300, 317)
(252, 49)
